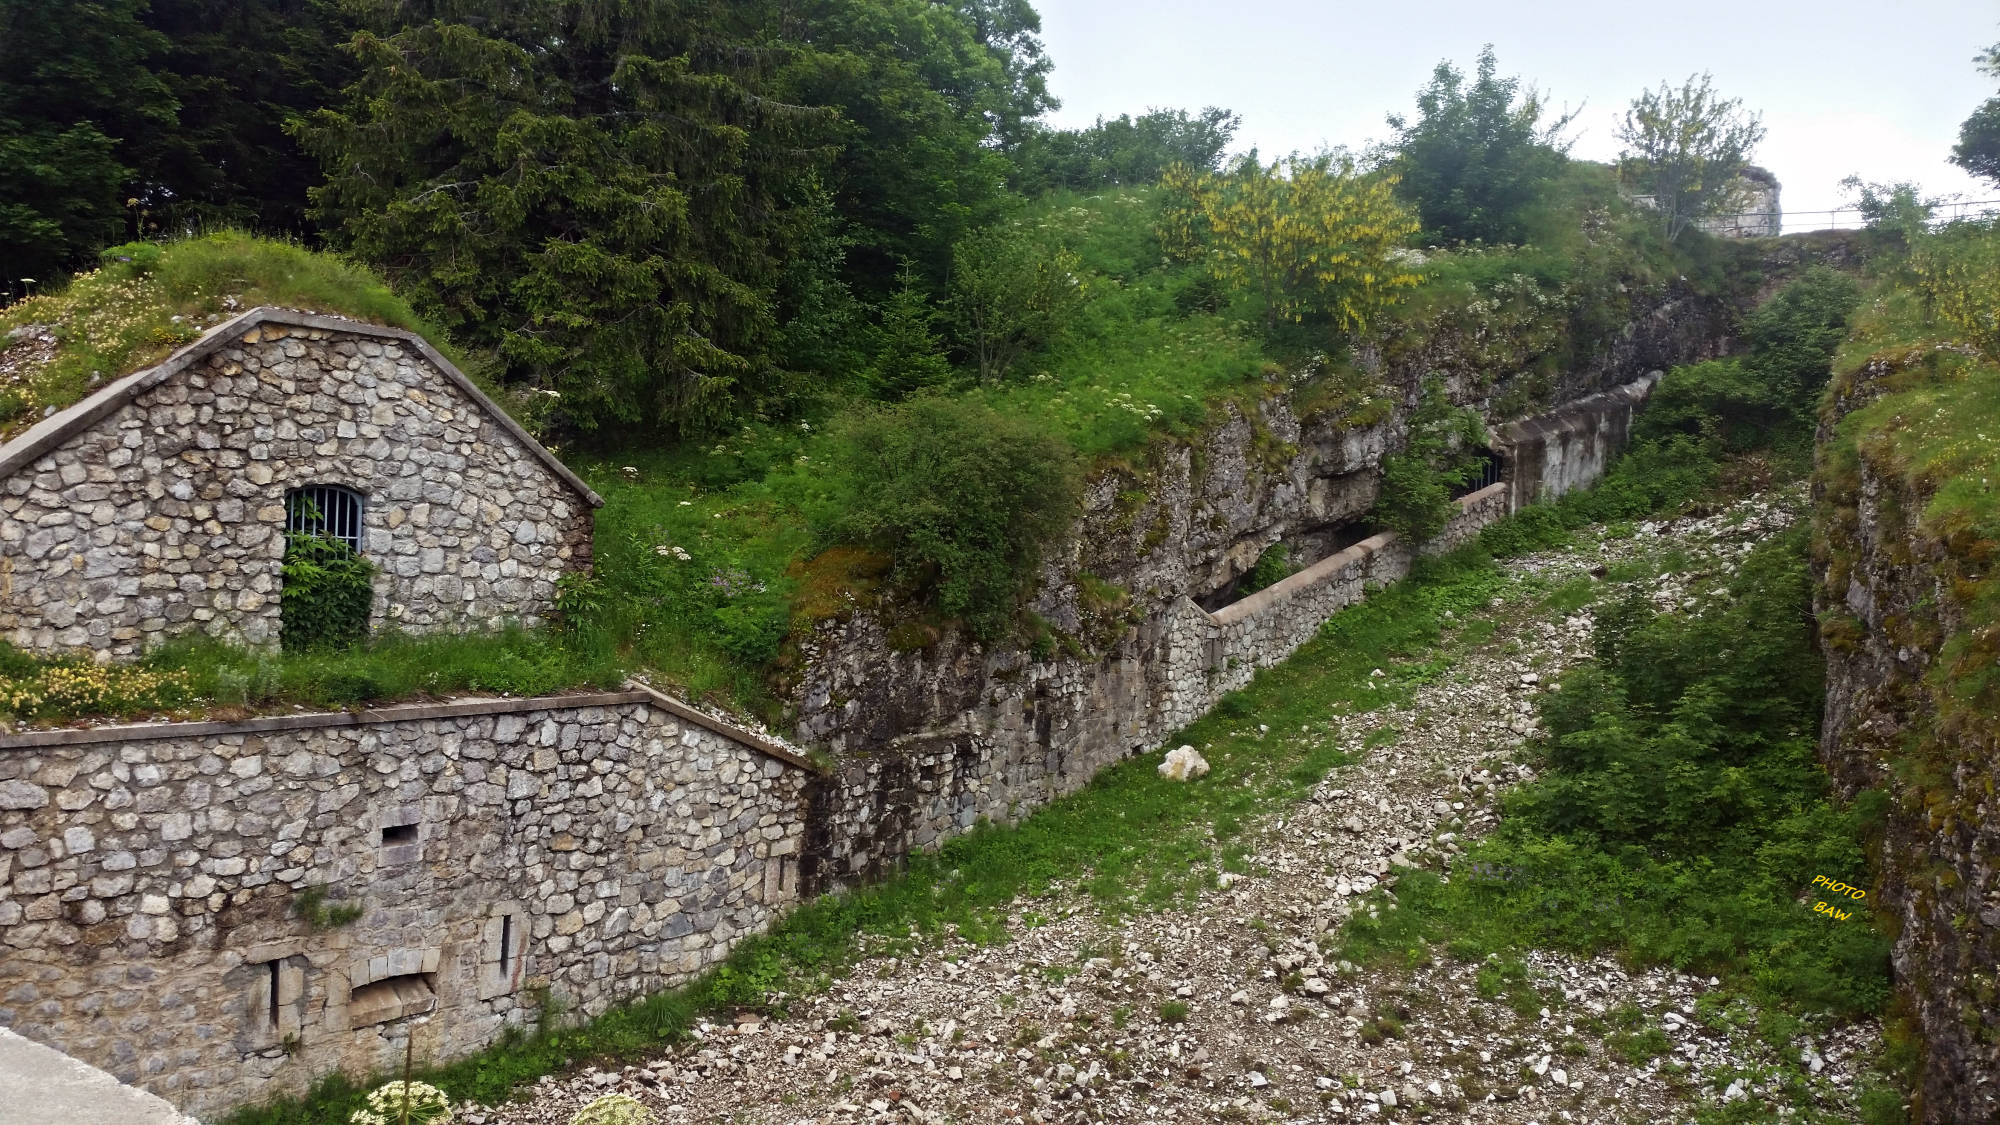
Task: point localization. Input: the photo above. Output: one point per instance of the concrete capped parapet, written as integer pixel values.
(41, 1084)
(1571, 446)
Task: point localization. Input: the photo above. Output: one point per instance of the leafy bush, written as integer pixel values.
(329, 593)
(1272, 567)
(1013, 293)
(1690, 729)
(1306, 240)
(1958, 274)
(1766, 398)
(962, 499)
(1126, 150)
(1794, 334)
(1724, 401)
(1441, 454)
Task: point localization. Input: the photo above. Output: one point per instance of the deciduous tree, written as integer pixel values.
(1012, 292)
(1684, 148)
(1126, 150)
(1478, 155)
(1308, 239)
(1978, 148)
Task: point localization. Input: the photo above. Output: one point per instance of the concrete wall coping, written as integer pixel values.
(1258, 603)
(634, 693)
(52, 431)
(1572, 414)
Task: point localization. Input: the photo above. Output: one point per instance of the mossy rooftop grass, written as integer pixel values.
(148, 299)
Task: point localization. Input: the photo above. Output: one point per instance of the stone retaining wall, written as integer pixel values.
(169, 892)
(917, 792)
(931, 739)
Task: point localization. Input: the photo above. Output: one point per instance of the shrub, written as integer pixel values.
(1273, 566)
(328, 595)
(1793, 335)
(1308, 240)
(1013, 292)
(960, 497)
(1958, 274)
(1417, 483)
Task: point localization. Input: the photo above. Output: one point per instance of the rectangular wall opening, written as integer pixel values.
(272, 1013)
(392, 998)
(394, 834)
(506, 943)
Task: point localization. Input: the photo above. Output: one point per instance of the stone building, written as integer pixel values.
(1758, 212)
(159, 504)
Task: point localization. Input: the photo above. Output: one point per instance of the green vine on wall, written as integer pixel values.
(328, 595)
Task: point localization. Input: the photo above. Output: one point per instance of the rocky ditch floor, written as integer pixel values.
(1233, 1009)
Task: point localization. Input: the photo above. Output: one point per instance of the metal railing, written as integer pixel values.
(1853, 218)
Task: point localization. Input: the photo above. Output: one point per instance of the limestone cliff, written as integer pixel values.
(933, 731)
(1908, 633)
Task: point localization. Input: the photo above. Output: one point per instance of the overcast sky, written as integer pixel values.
(1845, 87)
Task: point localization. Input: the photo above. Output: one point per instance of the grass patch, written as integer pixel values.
(202, 678)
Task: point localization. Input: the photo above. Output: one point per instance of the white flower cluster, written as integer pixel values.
(614, 1109)
(670, 551)
(395, 1102)
(1145, 410)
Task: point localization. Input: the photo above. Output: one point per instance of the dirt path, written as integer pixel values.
(1229, 1010)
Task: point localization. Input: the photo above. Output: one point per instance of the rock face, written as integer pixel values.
(1885, 599)
(1143, 626)
(175, 898)
(158, 505)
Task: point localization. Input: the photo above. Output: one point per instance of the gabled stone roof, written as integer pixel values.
(51, 432)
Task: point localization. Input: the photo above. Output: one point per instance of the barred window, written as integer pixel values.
(326, 510)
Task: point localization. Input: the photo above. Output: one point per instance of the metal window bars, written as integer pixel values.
(325, 510)
(1489, 471)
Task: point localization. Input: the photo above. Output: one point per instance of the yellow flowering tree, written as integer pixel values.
(1309, 239)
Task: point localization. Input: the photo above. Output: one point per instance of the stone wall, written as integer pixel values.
(1569, 447)
(157, 505)
(932, 738)
(157, 882)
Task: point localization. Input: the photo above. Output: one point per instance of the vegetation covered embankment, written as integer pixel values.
(1907, 531)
